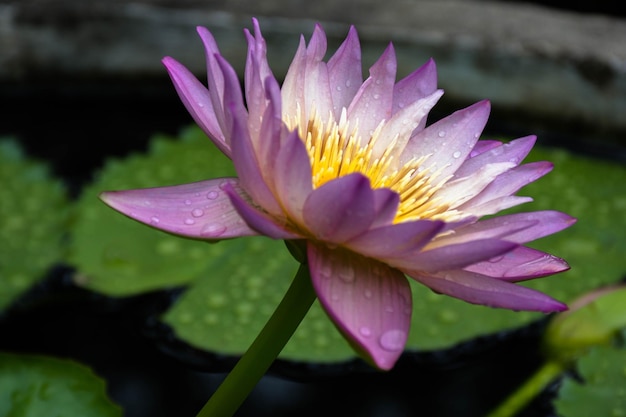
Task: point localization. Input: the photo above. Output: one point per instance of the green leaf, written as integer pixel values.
(597, 318)
(35, 386)
(117, 256)
(603, 392)
(235, 285)
(33, 220)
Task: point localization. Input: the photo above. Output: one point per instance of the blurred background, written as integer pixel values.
(81, 81)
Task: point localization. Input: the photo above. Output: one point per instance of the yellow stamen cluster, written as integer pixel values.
(335, 149)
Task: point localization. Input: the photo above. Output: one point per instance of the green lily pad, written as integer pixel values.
(603, 392)
(117, 256)
(235, 285)
(35, 386)
(33, 220)
(215, 314)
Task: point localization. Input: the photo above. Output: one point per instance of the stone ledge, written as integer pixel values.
(527, 59)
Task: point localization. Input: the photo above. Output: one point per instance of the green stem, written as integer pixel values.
(529, 390)
(264, 350)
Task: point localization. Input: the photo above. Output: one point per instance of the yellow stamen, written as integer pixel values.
(335, 149)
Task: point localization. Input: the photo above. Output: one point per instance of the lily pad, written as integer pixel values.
(33, 220)
(235, 285)
(117, 256)
(603, 391)
(35, 386)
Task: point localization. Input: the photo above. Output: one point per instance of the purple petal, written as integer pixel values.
(419, 84)
(395, 239)
(200, 210)
(514, 152)
(345, 72)
(484, 145)
(257, 70)
(197, 101)
(518, 228)
(520, 264)
(292, 176)
(250, 173)
(478, 289)
(372, 102)
(317, 96)
(215, 77)
(257, 220)
(234, 108)
(450, 257)
(448, 141)
(495, 196)
(340, 209)
(293, 85)
(386, 204)
(369, 302)
(403, 124)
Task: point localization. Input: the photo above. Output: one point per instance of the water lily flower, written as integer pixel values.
(348, 169)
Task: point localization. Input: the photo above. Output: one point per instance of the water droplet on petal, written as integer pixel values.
(200, 104)
(365, 331)
(376, 96)
(212, 195)
(456, 154)
(189, 222)
(441, 133)
(389, 309)
(213, 230)
(187, 202)
(348, 83)
(154, 220)
(197, 212)
(338, 88)
(368, 293)
(393, 340)
(223, 185)
(347, 275)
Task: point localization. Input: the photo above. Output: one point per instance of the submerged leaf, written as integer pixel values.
(35, 386)
(33, 220)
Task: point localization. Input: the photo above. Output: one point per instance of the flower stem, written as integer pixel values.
(548, 372)
(264, 350)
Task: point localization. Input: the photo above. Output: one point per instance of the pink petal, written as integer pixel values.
(386, 204)
(197, 101)
(292, 176)
(513, 152)
(340, 209)
(345, 72)
(503, 186)
(373, 101)
(257, 220)
(369, 302)
(257, 70)
(484, 145)
(520, 264)
(250, 173)
(394, 240)
(215, 77)
(478, 289)
(317, 95)
(404, 123)
(539, 224)
(448, 141)
(200, 210)
(234, 108)
(419, 84)
(450, 257)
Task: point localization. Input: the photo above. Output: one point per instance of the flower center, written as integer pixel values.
(335, 149)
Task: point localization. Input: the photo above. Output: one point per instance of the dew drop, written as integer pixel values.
(200, 104)
(347, 275)
(456, 154)
(448, 316)
(197, 212)
(476, 135)
(338, 88)
(365, 331)
(376, 96)
(212, 195)
(187, 202)
(154, 220)
(213, 230)
(189, 222)
(368, 294)
(392, 340)
(223, 185)
(348, 83)
(389, 309)
(441, 133)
